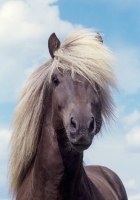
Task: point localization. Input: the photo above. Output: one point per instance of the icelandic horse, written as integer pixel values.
(61, 109)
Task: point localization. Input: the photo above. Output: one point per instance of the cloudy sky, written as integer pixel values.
(25, 26)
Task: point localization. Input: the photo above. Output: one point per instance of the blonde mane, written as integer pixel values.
(81, 53)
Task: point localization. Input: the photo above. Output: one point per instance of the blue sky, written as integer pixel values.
(24, 30)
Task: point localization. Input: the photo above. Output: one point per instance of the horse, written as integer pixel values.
(62, 107)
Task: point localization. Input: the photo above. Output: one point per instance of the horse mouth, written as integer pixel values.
(80, 147)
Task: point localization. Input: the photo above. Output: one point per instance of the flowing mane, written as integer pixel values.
(80, 53)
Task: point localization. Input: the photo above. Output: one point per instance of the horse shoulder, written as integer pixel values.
(107, 182)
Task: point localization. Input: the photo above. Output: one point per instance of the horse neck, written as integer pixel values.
(56, 167)
(48, 167)
(73, 167)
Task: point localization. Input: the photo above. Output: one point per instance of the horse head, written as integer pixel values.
(77, 104)
(77, 107)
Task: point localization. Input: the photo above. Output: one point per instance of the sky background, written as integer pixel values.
(24, 30)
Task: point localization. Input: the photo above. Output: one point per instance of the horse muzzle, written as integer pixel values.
(80, 147)
(80, 142)
(80, 132)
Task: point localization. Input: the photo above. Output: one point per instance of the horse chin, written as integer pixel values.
(80, 147)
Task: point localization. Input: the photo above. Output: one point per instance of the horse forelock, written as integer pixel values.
(81, 53)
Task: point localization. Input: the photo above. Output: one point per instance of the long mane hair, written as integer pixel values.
(80, 53)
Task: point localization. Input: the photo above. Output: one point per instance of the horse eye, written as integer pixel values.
(55, 80)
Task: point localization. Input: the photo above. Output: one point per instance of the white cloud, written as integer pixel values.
(4, 140)
(131, 124)
(135, 197)
(132, 119)
(2, 179)
(4, 199)
(4, 137)
(128, 69)
(29, 20)
(25, 27)
(133, 138)
(130, 184)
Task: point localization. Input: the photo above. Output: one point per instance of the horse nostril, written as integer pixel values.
(73, 123)
(91, 125)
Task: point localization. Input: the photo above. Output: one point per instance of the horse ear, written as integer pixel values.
(53, 44)
(99, 37)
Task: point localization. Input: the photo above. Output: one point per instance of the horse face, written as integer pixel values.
(77, 107)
